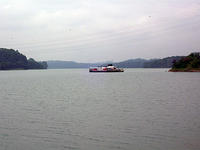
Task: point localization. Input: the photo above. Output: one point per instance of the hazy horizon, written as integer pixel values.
(99, 31)
(109, 61)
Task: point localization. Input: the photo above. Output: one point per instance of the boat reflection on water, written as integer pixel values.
(108, 68)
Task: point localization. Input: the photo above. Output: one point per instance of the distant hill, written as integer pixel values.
(131, 63)
(162, 63)
(12, 59)
(190, 63)
(56, 64)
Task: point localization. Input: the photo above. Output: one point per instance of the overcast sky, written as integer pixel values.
(100, 30)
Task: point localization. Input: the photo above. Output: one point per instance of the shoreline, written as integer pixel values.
(184, 70)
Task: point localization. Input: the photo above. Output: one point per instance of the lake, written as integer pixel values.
(72, 109)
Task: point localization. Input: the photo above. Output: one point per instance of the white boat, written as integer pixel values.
(108, 68)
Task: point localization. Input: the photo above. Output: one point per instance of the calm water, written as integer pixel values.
(140, 109)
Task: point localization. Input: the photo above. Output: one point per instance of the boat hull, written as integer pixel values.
(99, 71)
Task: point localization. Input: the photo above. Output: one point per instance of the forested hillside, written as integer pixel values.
(190, 63)
(13, 59)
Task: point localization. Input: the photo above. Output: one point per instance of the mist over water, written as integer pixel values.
(72, 109)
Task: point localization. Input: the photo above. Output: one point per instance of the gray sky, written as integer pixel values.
(100, 30)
